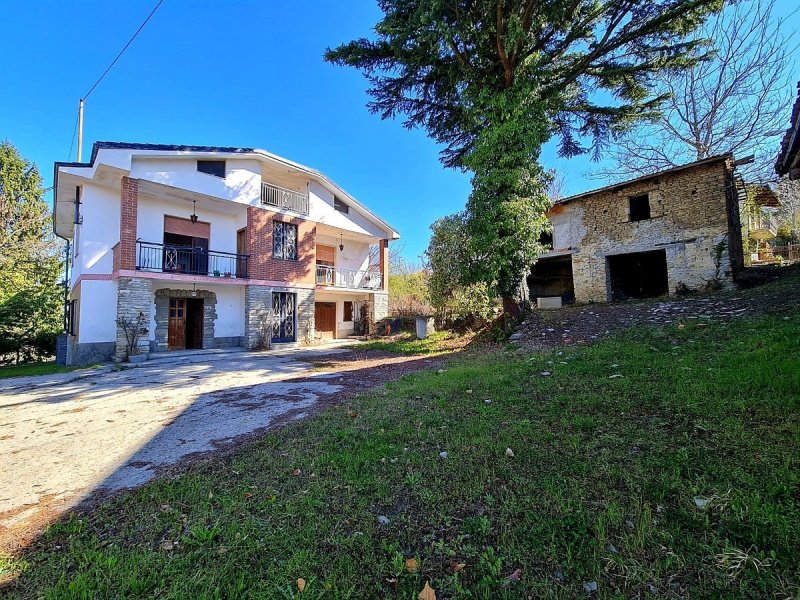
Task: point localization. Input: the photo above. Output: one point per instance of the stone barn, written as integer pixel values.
(662, 234)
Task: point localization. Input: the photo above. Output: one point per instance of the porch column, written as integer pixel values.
(125, 251)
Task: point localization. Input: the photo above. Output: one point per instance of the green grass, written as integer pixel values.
(407, 343)
(601, 487)
(37, 368)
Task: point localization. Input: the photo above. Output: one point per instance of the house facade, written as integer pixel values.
(216, 247)
(665, 233)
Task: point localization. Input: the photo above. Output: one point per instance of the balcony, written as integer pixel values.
(170, 258)
(348, 278)
(762, 227)
(273, 195)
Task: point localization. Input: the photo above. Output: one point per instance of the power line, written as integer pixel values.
(152, 12)
(72, 143)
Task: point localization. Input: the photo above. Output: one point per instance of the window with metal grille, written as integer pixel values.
(339, 205)
(284, 240)
(639, 207)
(212, 167)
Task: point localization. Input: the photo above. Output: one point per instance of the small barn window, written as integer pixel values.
(340, 206)
(639, 207)
(212, 167)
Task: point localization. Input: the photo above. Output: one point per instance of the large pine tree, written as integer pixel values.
(493, 80)
(30, 298)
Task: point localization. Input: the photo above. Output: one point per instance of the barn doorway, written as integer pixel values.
(638, 275)
(552, 276)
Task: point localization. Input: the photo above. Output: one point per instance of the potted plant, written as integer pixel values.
(227, 274)
(216, 272)
(134, 328)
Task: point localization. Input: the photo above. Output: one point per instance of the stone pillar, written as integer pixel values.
(306, 330)
(134, 296)
(257, 310)
(380, 306)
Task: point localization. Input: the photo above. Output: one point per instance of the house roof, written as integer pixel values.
(256, 152)
(789, 155)
(764, 196)
(623, 184)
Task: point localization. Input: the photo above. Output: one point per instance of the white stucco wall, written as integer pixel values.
(343, 328)
(97, 306)
(321, 210)
(225, 220)
(99, 232)
(242, 182)
(355, 255)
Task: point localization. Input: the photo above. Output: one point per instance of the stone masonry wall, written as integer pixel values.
(134, 295)
(162, 297)
(380, 309)
(258, 308)
(689, 221)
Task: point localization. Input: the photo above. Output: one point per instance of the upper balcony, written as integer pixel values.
(349, 278)
(273, 195)
(188, 260)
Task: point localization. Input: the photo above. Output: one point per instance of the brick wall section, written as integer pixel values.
(689, 220)
(125, 255)
(262, 265)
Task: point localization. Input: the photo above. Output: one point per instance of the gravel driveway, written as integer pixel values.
(62, 439)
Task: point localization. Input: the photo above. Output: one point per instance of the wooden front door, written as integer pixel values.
(325, 319)
(176, 332)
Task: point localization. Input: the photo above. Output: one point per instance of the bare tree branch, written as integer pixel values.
(736, 101)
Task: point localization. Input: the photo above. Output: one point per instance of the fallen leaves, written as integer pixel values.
(515, 575)
(509, 453)
(301, 585)
(427, 593)
(411, 565)
(297, 472)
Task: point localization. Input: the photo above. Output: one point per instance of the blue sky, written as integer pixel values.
(226, 74)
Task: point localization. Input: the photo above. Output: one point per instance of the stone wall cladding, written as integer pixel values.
(689, 221)
(92, 353)
(380, 306)
(162, 297)
(262, 265)
(125, 251)
(258, 310)
(134, 295)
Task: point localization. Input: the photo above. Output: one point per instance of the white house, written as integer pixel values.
(216, 247)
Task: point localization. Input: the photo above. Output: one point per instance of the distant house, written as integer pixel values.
(217, 247)
(672, 231)
(788, 163)
(759, 221)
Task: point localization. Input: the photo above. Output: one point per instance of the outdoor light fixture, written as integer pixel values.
(193, 218)
(341, 243)
(194, 290)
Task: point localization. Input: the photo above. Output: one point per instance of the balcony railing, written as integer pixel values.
(348, 278)
(169, 258)
(273, 195)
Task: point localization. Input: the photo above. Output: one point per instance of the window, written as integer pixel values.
(340, 206)
(72, 316)
(639, 207)
(212, 167)
(348, 311)
(284, 240)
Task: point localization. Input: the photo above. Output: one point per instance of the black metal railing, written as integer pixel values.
(170, 258)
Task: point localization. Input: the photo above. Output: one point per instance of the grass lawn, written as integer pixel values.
(407, 343)
(37, 368)
(661, 463)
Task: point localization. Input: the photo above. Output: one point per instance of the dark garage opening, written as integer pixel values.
(638, 275)
(552, 277)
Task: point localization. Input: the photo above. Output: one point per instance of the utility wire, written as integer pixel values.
(123, 50)
(72, 143)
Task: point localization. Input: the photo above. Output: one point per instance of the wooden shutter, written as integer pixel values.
(180, 226)
(326, 255)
